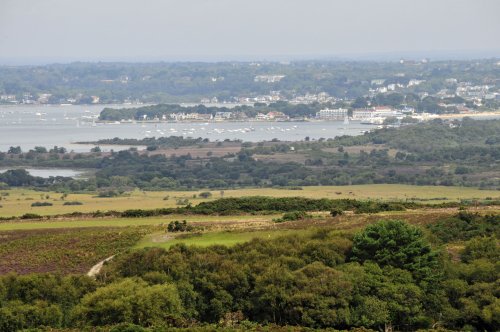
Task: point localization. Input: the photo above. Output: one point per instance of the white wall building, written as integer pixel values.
(361, 114)
(268, 78)
(375, 112)
(262, 116)
(332, 114)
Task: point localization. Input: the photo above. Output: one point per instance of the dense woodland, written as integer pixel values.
(388, 275)
(435, 153)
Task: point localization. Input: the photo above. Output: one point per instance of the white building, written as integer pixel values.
(185, 116)
(9, 98)
(378, 81)
(414, 82)
(262, 116)
(362, 114)
(375, 112)
(219, 116)
(268, 78)
(332, 114)
(451, 81)
(385, 111)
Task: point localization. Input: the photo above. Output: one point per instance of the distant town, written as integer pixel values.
(465, 90)
(328, 91)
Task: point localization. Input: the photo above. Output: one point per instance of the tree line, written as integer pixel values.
(161, 110)
(246, 205)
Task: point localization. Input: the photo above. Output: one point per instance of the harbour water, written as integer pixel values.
(28, 126)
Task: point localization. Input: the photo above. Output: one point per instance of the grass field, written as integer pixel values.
(227, 238)
(270, 230)
(126, 222)
(18, 201)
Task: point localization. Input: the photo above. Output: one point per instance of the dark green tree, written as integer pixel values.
(396, 244)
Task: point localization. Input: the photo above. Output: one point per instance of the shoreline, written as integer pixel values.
(466, 115)
(427, 116)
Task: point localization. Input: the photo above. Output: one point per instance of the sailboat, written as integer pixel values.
(346, 121)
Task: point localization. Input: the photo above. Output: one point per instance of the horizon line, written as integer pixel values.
(457, 55)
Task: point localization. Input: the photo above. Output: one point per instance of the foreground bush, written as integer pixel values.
(130, 301)
(387, 277)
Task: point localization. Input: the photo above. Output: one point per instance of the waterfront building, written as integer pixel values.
(332, 114)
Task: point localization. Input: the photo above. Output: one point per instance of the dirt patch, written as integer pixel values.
(94, 270)
(162, 238)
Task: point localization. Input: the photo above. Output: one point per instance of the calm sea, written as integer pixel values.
(29, 126)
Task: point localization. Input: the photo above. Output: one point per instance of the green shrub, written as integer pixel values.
(481, 247)
(205, 194)
(375, 207)
(108, 193)
(73, 203)
(292, 216)
(465, 226)
(37, 204)
(182, 201)
(296, 215)
(31, 216)
(179, 226)
(336, 212)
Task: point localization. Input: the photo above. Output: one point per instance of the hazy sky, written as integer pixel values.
(133, 30)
